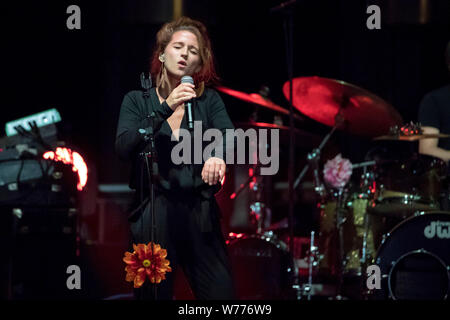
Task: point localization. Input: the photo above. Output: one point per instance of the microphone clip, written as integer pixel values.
(146, 84)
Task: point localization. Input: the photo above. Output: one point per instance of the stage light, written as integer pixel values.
(67, 156)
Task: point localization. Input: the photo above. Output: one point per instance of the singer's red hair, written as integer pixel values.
(207, 73)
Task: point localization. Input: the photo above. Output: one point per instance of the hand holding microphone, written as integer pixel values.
(181, 94)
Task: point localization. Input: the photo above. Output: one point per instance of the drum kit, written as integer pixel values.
(391, 215)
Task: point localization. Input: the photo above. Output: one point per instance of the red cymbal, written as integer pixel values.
(363, 112)
(254, 98)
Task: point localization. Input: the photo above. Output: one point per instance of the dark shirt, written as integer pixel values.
(434, 112)
(173, 178)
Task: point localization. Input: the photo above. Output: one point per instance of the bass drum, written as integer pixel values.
(414, 259)
(260, 264)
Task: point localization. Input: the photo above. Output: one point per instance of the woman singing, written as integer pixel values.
(186, 213)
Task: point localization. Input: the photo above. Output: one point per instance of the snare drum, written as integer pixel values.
(260, 264)
(414, 259)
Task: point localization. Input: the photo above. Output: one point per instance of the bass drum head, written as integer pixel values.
(259, 266)
(419, 275)
(414, 259)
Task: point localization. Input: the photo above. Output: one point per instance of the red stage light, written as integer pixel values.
(68, 156)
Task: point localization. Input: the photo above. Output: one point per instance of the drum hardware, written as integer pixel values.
(367, 182)
(409, 132)
(418, 213)
(313, 162)
(312, 257)
(260, 216)
(259, 213)
(312, 262)
(384, 237)
(313, 158)
(408, 129)
(363, 259)
(342, 259)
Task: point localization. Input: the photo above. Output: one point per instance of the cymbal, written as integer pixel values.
(413, 137)
(362, 112)
(263, 125)
(255, 98)
(308, 139)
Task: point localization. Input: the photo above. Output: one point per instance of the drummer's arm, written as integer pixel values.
(430, 146)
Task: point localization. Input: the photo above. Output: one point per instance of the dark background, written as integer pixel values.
(85, 73)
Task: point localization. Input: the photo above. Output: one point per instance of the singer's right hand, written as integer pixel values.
(181, 94)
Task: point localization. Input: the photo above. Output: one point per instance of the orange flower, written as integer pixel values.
(142, 264)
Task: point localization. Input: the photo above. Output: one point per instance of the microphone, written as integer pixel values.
(190, 118)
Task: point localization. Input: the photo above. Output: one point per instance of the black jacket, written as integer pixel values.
(173, 178)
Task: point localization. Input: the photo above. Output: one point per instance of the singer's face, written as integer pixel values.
(182, 56)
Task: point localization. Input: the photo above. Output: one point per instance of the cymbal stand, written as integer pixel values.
(313, 162)
(340, 220)
(312, 262)
(258, 210)
(339, 227)
(367, 179)
(313, 158)
(245, 184)
(259, 213)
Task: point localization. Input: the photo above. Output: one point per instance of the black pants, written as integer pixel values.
(202, 255)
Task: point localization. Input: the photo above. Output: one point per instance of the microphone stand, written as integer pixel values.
(150, 158)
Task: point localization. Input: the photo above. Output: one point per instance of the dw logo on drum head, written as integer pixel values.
(439, 229)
